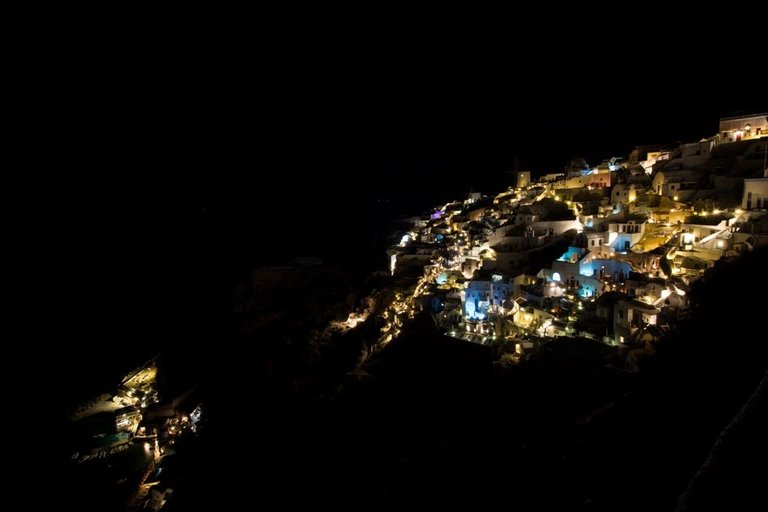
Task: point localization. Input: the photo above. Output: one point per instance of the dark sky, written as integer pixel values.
(202, 97)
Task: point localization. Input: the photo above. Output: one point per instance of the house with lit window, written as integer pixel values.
(584, 285)
(659, 293)
(700, 246)
(610, 274)
(482, 296)
(605, 306)
(654, 158)
(524, 317)
(557, 227)
(530, 317)
(753, 233)
(596, 178)
(734, 129)
(596, 240)
(631, 317)
(536, 292)
(519, 282)
(668, 212)
(622, 236)
(575, 261)
(704, 235)
(648, 263)
(624, 193)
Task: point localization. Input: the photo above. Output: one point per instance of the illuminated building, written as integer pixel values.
(679, 185)
(734, 129)
(630, 317)
(523, 179)
(623, 236)
(482, 295)
(624, 194)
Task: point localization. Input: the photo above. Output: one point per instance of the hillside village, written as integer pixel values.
(606, 252)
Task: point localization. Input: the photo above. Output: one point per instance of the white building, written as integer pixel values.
(531, 317)
(480, 296)
(526, 218)
(569, 277)
(624, 194)
(596, 240)
(473, 197)
(595, 179)
(623, 236)
(692, 153)
(575, 261)
(733, 129)
(660, 294)
(700, 235)
(551, 177)
(653, 157)
(676, 185)
(630, 316)
(755, 193)
(557, 227)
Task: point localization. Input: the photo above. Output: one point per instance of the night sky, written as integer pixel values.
(188, 140)
(204, 102)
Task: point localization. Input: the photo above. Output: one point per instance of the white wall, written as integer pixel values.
(755, 194)
(558, 227)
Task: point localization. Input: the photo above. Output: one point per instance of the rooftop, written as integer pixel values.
(643, 306)
(733, 118)
(573, 255)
